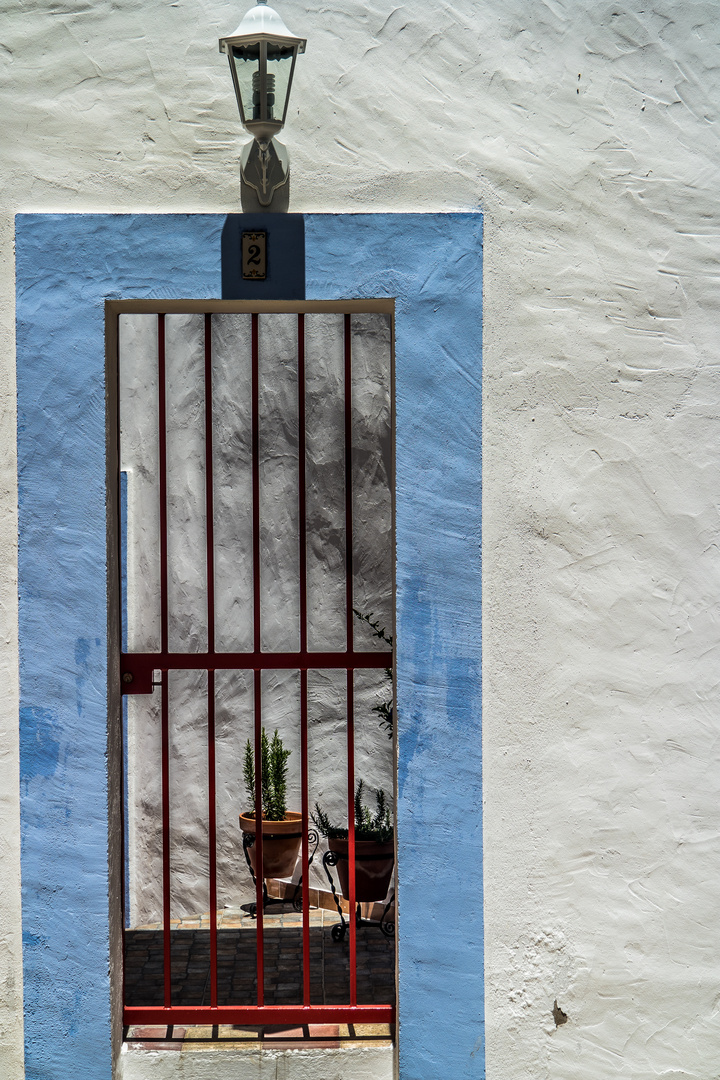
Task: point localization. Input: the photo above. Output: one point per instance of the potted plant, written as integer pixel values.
(281, 828)
(374, 847)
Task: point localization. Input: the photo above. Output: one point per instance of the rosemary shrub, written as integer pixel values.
(273, 772)
(368, 826)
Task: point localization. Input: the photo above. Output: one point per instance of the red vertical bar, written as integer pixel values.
(304, 803)
(210, 546)
(351, 833)
(257, 681)
(349, 646)
(164, 724)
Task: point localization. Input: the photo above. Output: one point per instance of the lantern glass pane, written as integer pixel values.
(246, 59)
(280, 63)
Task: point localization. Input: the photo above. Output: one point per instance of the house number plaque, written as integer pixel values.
(254, 256)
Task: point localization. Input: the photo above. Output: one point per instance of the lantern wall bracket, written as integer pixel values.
(265, 170)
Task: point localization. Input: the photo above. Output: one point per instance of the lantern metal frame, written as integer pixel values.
(264, 165)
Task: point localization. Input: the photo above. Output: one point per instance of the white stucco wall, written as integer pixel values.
(258, 1063)
(587, 132)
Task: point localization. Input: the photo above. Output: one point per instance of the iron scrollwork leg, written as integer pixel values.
(330, 858)
(387, 926)
(248, 841)
(313, 841)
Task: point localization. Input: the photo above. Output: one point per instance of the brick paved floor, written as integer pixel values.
(245, 1037)
(237, 974)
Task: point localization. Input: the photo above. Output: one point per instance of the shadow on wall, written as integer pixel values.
(285, 246)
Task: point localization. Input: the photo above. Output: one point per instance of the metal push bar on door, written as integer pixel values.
(137, 668)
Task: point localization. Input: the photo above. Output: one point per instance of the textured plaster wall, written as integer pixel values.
(366, 1063)
(587, 131)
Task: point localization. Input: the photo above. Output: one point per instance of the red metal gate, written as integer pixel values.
(137, 670)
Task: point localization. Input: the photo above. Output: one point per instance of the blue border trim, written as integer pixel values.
(432, 264)
(67, 265)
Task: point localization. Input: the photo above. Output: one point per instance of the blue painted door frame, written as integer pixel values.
(67, 265)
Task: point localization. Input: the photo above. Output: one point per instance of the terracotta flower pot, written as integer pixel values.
(374, 864)
(281, 844)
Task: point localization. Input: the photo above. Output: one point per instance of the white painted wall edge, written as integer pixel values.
(11, 995)
(346, 1063)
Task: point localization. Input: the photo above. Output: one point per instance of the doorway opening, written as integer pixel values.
(256, 595)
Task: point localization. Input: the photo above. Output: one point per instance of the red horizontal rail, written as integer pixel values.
(251, 660)
(140, 666)
(254, 1014)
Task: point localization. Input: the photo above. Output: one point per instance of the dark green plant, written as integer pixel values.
(249, 774)
(368, 826)
(273, 776)
(385, 708)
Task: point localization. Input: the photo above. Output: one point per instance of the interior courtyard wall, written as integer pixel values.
(187, 604)
(587, 133)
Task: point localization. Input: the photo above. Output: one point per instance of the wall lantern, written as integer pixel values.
(262, 54)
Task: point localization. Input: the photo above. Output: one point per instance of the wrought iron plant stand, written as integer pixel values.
(248, 839)
(385, 926)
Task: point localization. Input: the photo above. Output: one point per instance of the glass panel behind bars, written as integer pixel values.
(186, 924)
